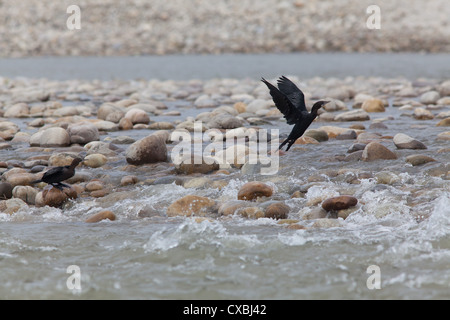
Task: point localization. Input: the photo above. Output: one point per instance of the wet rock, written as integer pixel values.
(169, 180)
(163, 125)
(189, 164)
(120, 140)
(314, 213)
(150, 149)
(347, 135)
(147, 107)
(419, 159)
(235, 155)
(403, 141)
(196, 183)
(82, 133)
(137, 116)
(18, 110)
(250, 212)
(225, 121)
(354, 115)
(339, 203)
(104, 125)
(378, 125)
(61, 159)
(65, 112)
(54, 197)
(26, 193)
(443, 136)
(102, 215)
(94, 185)
(21, 179)
(356, 147)
(51, 137)
(231, 207)
(105, 148)
(205, 101)
(306, 140)
(257, 105)
(253, 190)
(386, 177)
(95, 160)
(6, 190)
(21, 137)
(8, 129)
(444, 88)
(341, 93)
(375, 151)
(240, 107)
(296, 226)
(128, 180)
(277, 210)
(100, 193)
(125, 124)
(319, 135)
(13, 205)
(109, 111)
(191, 205)
(333, 131)
(422, 114)
(444, 123)
(430, 97)
(149, 211)
(354, 156)
(367, 137)
(373, 105)
(288, 221)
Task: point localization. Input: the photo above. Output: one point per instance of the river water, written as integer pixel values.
(400, 229)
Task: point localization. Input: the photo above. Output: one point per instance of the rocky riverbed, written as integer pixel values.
(368, 184)
(390, 132)
(111, 28)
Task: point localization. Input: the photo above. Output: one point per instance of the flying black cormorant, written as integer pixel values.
(289, 99)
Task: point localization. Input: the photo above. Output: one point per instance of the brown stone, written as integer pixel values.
(150, 149)
(373, 105)
(191, 206)
(251, 212)
(339, 203)
(253, 190)
(195, 164)
(375, 151)
(296, 226)
(444, 123)
(277, 210)
(102, 215)
(419, 159)
(55, 197)
(127, 180)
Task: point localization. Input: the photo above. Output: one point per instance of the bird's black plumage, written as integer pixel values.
(56, 175)
(290, 100)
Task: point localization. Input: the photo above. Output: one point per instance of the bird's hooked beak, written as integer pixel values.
(325, 102)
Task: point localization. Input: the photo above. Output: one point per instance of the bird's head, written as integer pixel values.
(76, 161)
(319, 104)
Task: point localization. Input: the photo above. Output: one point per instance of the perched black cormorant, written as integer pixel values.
(291, 102)
(55, 175)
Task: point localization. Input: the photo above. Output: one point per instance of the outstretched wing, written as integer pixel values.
(294, 94)
(283, 103)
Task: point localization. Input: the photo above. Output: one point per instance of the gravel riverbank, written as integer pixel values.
(35, 28)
